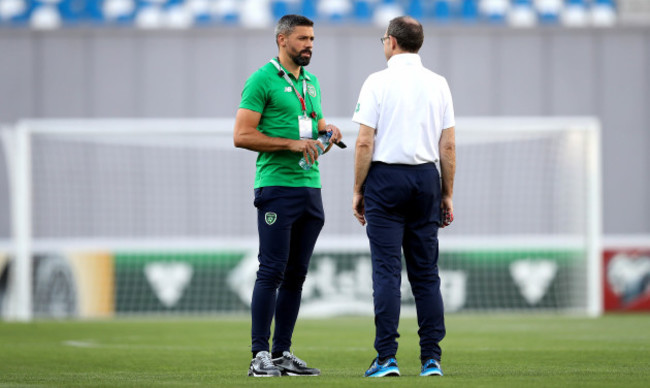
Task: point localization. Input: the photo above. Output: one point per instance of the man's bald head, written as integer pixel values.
(408, 33)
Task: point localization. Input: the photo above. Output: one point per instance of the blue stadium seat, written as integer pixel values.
(177, 14)
(575, 13)
(149, 14)
(362, 11)
(415, 9)
(495, 11)
(113, 12)
(45, 16)
(550, 13)
(334, 11)
(74, 12)
(309, 8)
(225, 12)
(279, 8)
(603, 13)
(442, 12)
(522, 14)
(95, 11)
(202, 12)
(469, 11)
(386, 11)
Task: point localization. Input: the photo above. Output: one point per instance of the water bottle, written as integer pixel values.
(325, 139)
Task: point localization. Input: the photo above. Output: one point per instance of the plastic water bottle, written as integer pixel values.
(325, 139)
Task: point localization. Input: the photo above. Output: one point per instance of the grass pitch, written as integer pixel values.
(479, 351)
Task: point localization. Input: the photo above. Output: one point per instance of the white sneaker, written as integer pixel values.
(262, 366)
(291, 365)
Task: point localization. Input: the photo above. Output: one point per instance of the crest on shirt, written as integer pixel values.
(311, 90)
(288, 89)
(270, 218)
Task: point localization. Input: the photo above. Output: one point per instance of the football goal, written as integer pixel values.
(114, 217)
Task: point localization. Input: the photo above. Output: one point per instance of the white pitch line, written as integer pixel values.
(95, 345)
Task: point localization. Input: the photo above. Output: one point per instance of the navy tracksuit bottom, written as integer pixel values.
(402, 205)
(289, 220)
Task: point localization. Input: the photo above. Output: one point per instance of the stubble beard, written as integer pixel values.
(300, 60)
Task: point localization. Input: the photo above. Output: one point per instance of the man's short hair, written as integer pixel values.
(408, 33)
(287, 23)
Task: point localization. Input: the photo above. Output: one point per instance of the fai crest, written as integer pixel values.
(311, 90)
(270, 218)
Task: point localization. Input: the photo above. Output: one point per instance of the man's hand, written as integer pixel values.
(358, 208)
(308, 148)
(362, 160)
(447, 207)
(447, 171)
(336, 135)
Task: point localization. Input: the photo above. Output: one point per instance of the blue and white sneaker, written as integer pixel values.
(431, 368)
(388, 368)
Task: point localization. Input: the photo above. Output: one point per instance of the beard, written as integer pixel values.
(300, 60)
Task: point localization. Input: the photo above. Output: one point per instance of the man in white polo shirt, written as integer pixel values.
(405, 161)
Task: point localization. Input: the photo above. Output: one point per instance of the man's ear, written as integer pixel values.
(281, 40)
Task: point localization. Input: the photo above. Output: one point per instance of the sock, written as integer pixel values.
(383, 360)
(424, 360)
(275, 355)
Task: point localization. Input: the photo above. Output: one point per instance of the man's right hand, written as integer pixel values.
(308, 148)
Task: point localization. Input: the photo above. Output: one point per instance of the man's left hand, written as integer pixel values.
(336, 133)
(358, 208)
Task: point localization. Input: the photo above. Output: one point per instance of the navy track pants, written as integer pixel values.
(402, 205)
(289, 220)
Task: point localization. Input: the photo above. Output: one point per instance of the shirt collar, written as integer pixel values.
(405, 59)
(303, 73)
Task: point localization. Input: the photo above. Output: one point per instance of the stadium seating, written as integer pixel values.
(53, 14)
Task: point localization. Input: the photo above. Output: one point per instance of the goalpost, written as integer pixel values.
(120, 217)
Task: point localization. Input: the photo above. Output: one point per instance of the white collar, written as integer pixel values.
(405, 59)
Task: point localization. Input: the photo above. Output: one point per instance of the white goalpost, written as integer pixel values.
(573, 188)
(115, 217)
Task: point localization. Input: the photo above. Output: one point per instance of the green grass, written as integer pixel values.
(479, 351)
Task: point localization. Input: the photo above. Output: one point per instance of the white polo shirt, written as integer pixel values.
(409, 106)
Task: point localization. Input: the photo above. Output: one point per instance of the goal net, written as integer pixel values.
(123, 217)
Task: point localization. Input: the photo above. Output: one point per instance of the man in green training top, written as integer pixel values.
(280, 117)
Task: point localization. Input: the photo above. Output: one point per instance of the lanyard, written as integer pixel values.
(284, 75)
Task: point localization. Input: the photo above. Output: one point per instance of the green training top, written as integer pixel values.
(271, 95)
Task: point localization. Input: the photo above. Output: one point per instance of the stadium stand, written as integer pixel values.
(179, 14)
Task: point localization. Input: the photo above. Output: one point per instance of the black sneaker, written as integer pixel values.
(291, 365)
(262, 366)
